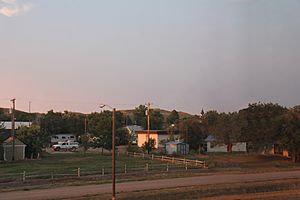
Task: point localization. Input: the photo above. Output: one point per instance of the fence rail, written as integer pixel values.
(173, 160)
(102, 173)
(123, 170)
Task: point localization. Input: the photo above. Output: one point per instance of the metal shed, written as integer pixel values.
(177, 147)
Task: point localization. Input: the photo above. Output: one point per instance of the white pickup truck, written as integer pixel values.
(65, 146)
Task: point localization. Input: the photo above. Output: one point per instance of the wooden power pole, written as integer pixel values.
(148, 130)
(13, 129)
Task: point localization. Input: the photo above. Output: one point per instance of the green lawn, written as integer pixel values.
(68, 162)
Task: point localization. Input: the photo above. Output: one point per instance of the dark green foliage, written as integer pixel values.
(192, 131)
(149, 146)
(173, 117)
(260, 127)
(290, 132)
(140, 118)
(62, 123)
(33, 138)
(156, 120)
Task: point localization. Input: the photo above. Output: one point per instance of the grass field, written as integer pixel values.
(66, 162)
(60, 168)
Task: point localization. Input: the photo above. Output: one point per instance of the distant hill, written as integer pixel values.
(5, 115)
(165, 113)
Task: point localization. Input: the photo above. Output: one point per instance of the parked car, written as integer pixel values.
(66, 146)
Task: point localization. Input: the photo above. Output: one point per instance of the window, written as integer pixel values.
(63, 137)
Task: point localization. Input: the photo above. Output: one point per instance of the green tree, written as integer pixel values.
(290, 132)
(228, 129)
(139, 116)
(210, 120)
(260, 127)
(156, 120)
(192, 131)
(33, 138)
(85, 142)
(173, 117)
(149, 146)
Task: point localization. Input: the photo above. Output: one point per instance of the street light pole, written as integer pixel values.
(113, 158)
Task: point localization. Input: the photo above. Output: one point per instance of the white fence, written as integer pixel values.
(168, 159)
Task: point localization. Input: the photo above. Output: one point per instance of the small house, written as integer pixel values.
(160, 137)
(177, 147)
(19, 149)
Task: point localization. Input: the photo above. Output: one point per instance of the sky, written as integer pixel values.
(177, 54)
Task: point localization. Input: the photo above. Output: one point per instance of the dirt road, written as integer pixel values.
(77, 191)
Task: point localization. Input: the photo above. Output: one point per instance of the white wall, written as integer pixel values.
(236, 147)
(216, 148)
(239, 147)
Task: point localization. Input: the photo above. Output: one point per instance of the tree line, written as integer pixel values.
(260, 125)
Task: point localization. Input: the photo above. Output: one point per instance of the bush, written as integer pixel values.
(134, 148)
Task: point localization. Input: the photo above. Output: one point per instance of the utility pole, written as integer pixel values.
(29, 113)
(113, 155)
(85, 125)
(13, 129)
(148, 130)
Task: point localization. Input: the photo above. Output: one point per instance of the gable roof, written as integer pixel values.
(134, 128)
(210, 138)
(9, 141)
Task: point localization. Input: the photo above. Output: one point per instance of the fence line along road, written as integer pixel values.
(173, 160)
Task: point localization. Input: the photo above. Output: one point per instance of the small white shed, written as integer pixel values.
(19, 150)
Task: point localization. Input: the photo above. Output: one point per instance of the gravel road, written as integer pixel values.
(78, 191)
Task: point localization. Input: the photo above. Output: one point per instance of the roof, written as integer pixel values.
(175, 142)
(63, 134)
(159, 132)
(134, 128)
(9, 141)
(210, 138)
(8, 125)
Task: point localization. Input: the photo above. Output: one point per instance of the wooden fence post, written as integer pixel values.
(125, 169)
(186, 167)
(167, 167)
(133, 154)
(24, 176)
(78, 172)
(143, 155)
(152, 156)
(147, 167)
(103, 171)
(172, 159)
(52, 177)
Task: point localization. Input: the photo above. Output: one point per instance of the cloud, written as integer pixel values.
(10, 8)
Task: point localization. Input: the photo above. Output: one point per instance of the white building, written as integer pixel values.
(160, 137)
(63, 138)
(214, 146)
(8, 125)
